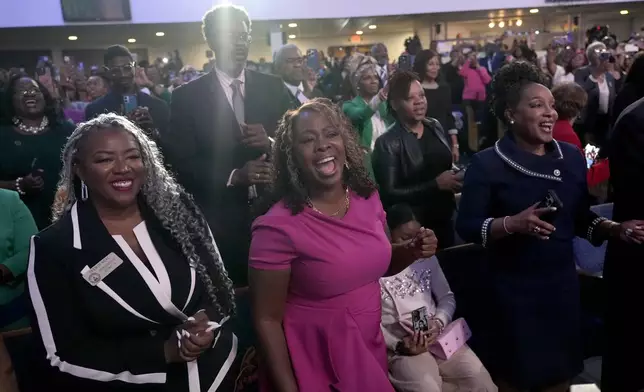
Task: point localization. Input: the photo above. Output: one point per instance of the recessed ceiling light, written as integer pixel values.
(624, 12)
(160, 33)
(292, 25)
(534, 11)
(372, 27)
(131, 40)
(491, 25)
(519, 22)
(292, 36)
(501, 24)
(72, 38)
(359, 32)
(537, 32)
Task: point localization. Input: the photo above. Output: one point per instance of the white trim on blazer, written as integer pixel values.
(50, 344)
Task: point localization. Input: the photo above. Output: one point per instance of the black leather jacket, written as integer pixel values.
(398, 159)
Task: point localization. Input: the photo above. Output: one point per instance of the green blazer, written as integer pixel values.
(360, 113)
(16, 228)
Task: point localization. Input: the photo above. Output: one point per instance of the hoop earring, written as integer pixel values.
(346, 165)
(84, 193)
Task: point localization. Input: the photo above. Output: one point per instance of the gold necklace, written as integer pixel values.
(344, 206)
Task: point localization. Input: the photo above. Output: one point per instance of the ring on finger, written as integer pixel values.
(537, 229)
(629, 232)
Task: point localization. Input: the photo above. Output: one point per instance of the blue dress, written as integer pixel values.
(535, 309)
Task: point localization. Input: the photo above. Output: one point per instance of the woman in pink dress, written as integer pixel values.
(316, 257)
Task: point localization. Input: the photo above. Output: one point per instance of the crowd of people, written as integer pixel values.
(239, 230)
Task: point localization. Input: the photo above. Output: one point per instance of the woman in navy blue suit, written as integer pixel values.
(534, 282)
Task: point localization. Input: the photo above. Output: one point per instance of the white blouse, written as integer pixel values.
(421, 284)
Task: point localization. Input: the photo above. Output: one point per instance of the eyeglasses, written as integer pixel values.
(121, 69)
(295, 61)
(232, 37)
(31, 91)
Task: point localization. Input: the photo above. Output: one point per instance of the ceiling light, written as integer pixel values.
(534, 11)
(537, 32)
(292, 36)
(292, 25)
(165, 60)
(624, 12)
(501, 24)
(131, 40)
(359, 32)
(160, 33)
(491, 25)
(372, 27)
(72, 38)
(519, 22)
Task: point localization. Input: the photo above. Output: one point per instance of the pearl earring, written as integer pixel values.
(511, 122)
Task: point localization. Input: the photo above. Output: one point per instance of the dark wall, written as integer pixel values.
(26, 59)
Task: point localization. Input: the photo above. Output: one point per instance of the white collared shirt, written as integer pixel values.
(604, 94)
(383, 73)
(225, 80)
(298, 92)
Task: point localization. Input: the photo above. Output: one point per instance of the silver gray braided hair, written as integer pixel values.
(169, 202)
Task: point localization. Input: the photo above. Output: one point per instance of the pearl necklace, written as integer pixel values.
(345, 206)
(31, 130)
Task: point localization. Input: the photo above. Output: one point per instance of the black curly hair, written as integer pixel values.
(52, 112)
(508, 84)
(287, 180)
(399, 84)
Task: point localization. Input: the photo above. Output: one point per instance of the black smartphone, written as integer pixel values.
(404, 62)
(420, 320)
(551, 200)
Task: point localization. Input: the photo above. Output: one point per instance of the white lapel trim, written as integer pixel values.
(49, 342)
(149, 279)
(143, 236)
(112, 294)
(193, 377)
(225, 367)
(192, 288)
(76, 228)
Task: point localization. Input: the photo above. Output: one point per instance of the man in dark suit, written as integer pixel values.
(151, 114)
(219, 139)
(289, 65)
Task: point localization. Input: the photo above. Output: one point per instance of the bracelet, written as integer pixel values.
(455, 146)
(440, 324)
(18, 189)
(506, 227)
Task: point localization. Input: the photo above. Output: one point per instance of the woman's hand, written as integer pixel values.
(456, 154)
(31, 183)
(190, 339)
(435, 329)
(415, 344)
(449, 181)
(422, 246)
(528, 222)
(632, 231)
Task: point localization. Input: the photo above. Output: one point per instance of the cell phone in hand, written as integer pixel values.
(420, 320)
(551, 200)
(404, 62)
(130, 103)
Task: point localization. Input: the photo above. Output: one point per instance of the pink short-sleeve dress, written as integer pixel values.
(332, 315)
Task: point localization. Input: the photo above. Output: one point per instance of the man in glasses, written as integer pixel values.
(125, 97)
(289, 65)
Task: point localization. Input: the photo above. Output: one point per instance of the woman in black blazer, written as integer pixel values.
(412, 161)
(127, 286)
